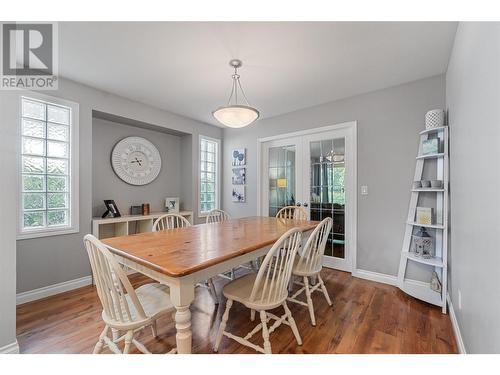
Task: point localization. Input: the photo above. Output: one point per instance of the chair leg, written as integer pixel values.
(115, 334)
(222, 326)
(232, 273)
(100, 343)
(293, 326)
(154, 329)
(213, 291)
(265, 332)
(325, 292)
(309, 301)
(252, 315)
(128, 341)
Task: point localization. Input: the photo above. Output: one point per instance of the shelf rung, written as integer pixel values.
(436, 262)
(431, 156)
(433, 130)
(427, 190)
(435, 226)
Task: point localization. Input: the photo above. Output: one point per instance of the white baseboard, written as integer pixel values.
(47, 291)
(456, 328)
(375, 276)
(12, 348)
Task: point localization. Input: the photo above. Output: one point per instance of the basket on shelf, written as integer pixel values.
(434, 118)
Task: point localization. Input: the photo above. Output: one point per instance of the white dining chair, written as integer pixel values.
(308, 264)
(292, 212)
(172, 221)
(219, 216)
(125, 310)
(265, 291)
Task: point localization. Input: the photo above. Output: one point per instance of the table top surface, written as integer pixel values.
(182, 251)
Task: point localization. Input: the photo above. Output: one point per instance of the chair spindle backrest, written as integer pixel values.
(292, 212)
(217, 216)
(112, 283)
(271, 284)
(311, 256)
(170, 221)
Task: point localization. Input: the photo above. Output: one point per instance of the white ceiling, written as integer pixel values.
(183, 67)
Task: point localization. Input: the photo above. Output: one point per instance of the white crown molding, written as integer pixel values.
(47, 291)
(12, 348)
(456, 327)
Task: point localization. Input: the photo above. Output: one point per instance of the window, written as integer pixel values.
(209, 175)
(48, 167)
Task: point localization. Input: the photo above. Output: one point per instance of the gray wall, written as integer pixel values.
(8, 213)
(388, 124)
(51, 260)
(473, 101)
(107, 185)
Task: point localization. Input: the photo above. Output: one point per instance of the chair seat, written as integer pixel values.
(301, 269)
(154, 298)
(240, 290)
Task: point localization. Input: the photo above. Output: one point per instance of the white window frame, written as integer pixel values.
(74, 203)
(217, 173)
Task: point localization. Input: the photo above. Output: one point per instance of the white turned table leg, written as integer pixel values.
(183, 326)
(182, 294)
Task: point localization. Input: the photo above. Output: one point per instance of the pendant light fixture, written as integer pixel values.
(236, 115)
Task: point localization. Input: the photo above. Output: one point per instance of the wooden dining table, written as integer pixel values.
(183, 257)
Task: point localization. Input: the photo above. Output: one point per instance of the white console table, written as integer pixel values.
(129, 224)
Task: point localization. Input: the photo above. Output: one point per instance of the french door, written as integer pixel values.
(315, 171)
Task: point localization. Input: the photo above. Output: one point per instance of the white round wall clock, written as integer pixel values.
(136, 160)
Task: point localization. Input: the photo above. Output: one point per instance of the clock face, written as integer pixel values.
(136, 160)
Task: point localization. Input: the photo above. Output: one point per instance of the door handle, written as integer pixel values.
(305, 204)
(298, 204)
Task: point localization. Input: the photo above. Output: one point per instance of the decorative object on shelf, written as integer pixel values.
(136, 161)
(423, 244)
(239, 176)
(235, 115)
(430, 146)
(435, 284)
(145, 209)
(136, 210)
(239, 157)
(437, 184)
(111, 209)
(417, 184)
(425, 183)
(172, 205)
(239, 193)
(424, 215)
(434, 118)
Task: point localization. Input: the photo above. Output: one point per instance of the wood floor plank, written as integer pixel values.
(366, 317)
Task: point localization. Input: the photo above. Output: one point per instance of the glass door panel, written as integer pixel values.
(281, 177)
(327, 190)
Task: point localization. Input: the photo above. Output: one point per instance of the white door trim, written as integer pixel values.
(352, 126)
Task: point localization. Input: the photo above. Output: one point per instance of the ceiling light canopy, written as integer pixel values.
(236, 115)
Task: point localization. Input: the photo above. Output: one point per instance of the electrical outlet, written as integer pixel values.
(459, 299)
(364, 190)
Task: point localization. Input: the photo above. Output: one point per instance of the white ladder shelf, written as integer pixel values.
(439, 263)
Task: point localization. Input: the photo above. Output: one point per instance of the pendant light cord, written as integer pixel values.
(234, 89)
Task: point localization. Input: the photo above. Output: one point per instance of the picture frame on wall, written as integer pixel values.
(239, 157)
(239, 194)
(239, 176)
(172, 205)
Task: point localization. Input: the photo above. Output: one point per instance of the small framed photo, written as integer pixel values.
(112, 209)
(239, 176)
(430, 146)
(239, 157)
(239, 193)
(424, 215)
(172, 205)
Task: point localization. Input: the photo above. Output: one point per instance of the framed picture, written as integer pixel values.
(239, 157)
(424, 215)
(172, 205)
(111, 209)
(239, 193)
(239, 176)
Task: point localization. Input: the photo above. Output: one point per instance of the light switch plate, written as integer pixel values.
(364, 190)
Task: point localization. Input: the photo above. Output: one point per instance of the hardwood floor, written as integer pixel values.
(366, 317)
